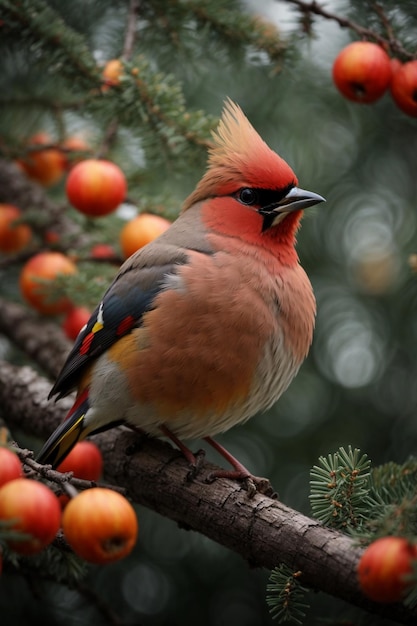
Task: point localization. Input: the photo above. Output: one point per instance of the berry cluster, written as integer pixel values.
(363, 72)
(99, 524)
(94, 187)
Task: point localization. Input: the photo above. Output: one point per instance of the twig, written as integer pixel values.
(344, 22)
(110, 135)
(62, 479)
(384, 20)
(131, 30)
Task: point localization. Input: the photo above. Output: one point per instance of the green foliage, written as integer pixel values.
(58, 47)
(340, 489)
(367, 503)
(87, 286)
(8, 533)
(61, 565)
(57, 565)
(393, 491)
(204, 33)
(391, 19)
(286, 596)
(153, 104)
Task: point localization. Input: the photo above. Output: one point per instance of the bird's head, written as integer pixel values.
(242, 168)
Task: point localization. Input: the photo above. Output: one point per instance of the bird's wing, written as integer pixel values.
(131, 294)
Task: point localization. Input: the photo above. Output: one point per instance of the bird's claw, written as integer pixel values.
(196, 466)
(253, 484)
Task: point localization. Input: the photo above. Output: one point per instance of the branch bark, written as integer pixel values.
(262, 530)
(42, 340)
(316, 8)
(16, 188)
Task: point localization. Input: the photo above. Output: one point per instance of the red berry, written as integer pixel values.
(383, 568)
(96, 187)
(10, 466)
(103, 251)
(362, 71)
(75, 320)
(33, 509)
(85, 460)
(404, 88)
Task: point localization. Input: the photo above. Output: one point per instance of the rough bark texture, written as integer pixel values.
(263, 530)
(24, 401)
(42, 340)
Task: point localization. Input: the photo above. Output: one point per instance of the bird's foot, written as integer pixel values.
(254, 484)
(195, 461)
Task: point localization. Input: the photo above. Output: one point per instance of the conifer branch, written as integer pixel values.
(36, 20)
(246, 30)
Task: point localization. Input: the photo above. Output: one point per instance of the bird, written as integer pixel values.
(208, 324)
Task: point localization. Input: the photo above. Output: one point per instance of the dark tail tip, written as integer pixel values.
(62, 440)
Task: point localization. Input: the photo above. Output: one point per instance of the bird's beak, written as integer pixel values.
(295, 200)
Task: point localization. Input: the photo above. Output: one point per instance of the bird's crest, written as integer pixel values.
(239, 157)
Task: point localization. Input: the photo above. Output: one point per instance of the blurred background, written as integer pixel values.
(358, 385)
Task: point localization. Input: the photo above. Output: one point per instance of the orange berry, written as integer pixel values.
(111, 73)
(13, 237)
(37, 281)
(100, 525)
(141, 230)
(45, 166)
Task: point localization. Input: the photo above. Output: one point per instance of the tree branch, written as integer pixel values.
(344, 22)
(42, 340)
(262, 530)
(131, 30)
(16, 188)
(112, 130)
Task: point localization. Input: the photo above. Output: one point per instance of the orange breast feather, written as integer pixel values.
(201, 345)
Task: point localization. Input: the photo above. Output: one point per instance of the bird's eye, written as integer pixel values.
(248, 196)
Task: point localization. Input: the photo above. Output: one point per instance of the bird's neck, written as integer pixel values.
(226, 217)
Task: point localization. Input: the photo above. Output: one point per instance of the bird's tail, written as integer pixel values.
(64, 438)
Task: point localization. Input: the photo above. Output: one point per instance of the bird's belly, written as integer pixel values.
(193, 400)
